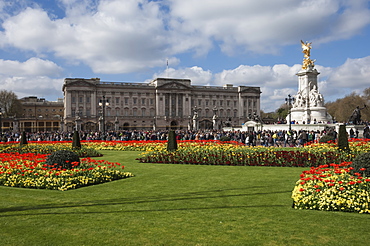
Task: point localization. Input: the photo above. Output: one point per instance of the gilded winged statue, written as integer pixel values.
(306, 49)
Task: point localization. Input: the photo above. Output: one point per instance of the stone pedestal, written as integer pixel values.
(308, 107)
(311, 115)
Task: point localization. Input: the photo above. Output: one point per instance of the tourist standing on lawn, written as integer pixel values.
(302, 138)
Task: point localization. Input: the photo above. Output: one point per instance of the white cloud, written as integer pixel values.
(251, 75)
(122, 36)
(347, 23)
(277, 76)
(264, 26)
(354, 72)
(278, 81)
(31, 67)
(275, 82)
(197, 75)
(133, 35)
(352, 76)
(32, 77)
(116, 37)
(40, 86)
(30, 30)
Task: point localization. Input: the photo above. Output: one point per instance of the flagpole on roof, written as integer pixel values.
(167, 69)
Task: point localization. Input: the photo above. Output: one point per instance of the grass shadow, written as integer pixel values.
(188, 196)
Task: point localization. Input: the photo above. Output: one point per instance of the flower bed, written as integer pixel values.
(127, 145)
(48, 148)
(30, 171)
(325, 186)
(157, 145)
(332, 187)
(215, 153)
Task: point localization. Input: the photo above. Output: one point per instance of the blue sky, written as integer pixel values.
(212, 42)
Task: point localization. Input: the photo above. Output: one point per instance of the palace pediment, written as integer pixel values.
(173, 86)
(254, 90)
(78, 83)
(81, 83)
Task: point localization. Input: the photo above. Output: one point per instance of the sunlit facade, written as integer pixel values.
(37, 115)
(160, 104)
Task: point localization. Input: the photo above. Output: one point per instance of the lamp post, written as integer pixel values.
(289, 101)
(103, 103)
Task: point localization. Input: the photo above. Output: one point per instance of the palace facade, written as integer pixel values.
(91, 105)
(37, 115)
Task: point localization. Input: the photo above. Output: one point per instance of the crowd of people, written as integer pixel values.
(280, 138)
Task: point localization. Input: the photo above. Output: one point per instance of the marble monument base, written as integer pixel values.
(310, 115)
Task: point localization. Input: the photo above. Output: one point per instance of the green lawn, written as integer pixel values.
(176, 205)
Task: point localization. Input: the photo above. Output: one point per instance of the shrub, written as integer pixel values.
(76, 143)
(326, 138)
(361, 164)
(23, 140)
(171, 143)
(343, 138)
(63, 159)
(225, 138)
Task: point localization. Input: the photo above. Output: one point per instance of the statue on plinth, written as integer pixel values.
(316, 99)
(306, 50)
(195, 118)
(308, 105)
(356, 115)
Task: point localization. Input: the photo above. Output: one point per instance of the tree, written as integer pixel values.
(282, 112)
(9, 104)
(342, 109)
(366, 93)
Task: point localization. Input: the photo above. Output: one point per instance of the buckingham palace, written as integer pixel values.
(164, 103)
